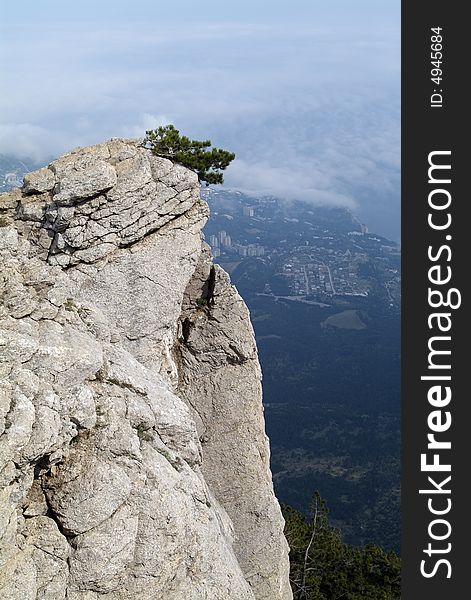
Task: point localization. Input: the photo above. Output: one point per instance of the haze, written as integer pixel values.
(306, 93)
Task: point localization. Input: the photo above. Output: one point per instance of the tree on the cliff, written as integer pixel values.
(198, 156)
(322, 567)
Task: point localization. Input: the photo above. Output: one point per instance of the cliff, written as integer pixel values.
(134, 462)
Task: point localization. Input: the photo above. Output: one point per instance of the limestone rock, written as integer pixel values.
(221, 381)
(39, 181)
(133, 458)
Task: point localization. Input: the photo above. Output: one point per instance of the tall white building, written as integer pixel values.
(213, 241)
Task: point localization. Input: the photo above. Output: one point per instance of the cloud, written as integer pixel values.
(25, 140)
(144, 123)
(311, 108)
(295, 182)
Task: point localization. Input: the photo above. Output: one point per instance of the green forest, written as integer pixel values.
(323, 567)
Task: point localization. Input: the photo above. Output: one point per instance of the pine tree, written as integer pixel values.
(323, 567)
(207, 163)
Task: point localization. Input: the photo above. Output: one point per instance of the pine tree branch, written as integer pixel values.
(306, 554)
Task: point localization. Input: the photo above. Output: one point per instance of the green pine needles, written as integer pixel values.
(207, 163)
(323, 567)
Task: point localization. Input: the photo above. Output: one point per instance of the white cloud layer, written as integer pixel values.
(311, 107)
(25, 140)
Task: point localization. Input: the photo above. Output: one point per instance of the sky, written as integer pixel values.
(306, 93)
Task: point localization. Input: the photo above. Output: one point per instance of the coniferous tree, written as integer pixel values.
(198, 156)
(322, 567)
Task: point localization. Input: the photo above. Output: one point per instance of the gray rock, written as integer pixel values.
(220, 379)
(132, 465)
(39, 182)
(83, 173)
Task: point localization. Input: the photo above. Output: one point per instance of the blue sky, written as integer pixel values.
(306, 93)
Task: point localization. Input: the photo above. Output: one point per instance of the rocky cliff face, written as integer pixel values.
(134, 463)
